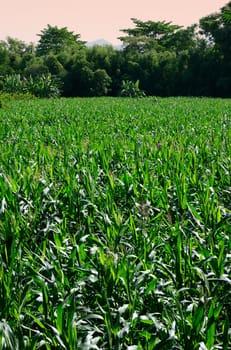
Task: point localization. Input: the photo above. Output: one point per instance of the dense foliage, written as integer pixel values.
(39, 86)
(166, 59)
(115, 224)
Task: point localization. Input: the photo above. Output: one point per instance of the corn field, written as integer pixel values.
(115, 224)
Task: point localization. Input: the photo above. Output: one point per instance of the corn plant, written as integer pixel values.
(115, 224)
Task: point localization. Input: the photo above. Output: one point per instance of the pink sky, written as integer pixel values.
(93, 20)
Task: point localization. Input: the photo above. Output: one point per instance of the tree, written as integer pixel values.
(35, 67)
(227, 16)
(101, 83)
(148, 35)
(4, 59)
(55, 40)
(79, 77)
(109, 60)
(217, 32)
(54, 65)
(16, 52)
(18, 47)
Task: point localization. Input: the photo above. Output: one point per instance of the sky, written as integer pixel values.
(93, 20)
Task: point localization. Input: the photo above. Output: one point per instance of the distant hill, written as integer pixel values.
(100, 42)
(103, 42)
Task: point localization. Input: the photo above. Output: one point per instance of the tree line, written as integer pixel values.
(157, 58)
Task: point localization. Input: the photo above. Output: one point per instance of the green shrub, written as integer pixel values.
(39, 86)
(14, 83)
(131, 89)
(43, 86)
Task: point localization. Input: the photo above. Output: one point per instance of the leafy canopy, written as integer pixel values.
(159, 36)
(55, 40)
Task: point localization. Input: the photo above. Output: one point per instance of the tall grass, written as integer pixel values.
(115, 224)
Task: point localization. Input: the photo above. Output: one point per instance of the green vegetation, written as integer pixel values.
(131, 89)
(115, 224)
(167, 59)
(40, 86)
